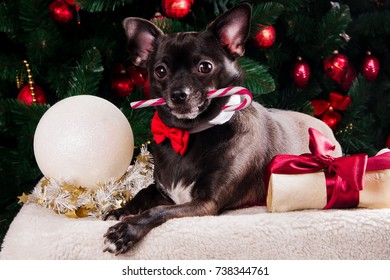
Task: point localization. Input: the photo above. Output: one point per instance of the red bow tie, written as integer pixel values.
(179, 138)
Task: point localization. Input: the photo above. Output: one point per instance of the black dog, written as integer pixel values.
(222, 165)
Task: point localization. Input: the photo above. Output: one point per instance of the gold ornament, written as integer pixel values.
(71, 214)
(23, 198)
(29, 79)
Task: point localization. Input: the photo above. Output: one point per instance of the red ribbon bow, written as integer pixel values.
(336, 102)
(344, 175)
(179, 138)
(326, 109)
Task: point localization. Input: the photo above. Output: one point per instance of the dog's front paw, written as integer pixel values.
(121, 237)
(116, 214)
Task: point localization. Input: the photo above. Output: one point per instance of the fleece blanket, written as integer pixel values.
(251, 233)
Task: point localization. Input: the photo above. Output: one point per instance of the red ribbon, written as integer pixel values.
(344, 175)
(336, 102)
(179, 138)
(379, 162)
(327, 109)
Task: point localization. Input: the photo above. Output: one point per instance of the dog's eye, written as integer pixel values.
(205, 67)
(160, 71)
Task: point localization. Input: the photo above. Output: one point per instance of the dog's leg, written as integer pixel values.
(122, 236)
(143, 200)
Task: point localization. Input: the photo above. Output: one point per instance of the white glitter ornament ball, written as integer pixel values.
(84, 140)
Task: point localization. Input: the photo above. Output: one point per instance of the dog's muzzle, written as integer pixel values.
(184, 104)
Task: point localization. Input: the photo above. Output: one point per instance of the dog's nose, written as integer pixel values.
(179, 96)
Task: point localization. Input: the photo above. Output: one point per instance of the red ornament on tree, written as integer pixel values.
(370, 67)
(176, 8)
(325, 110)
(349, 77)
(61, 11)
(301, 73)
(136, 76)
(265, 37)
(331, 118)
(121, 82)
(31, 94)
(146, 88)
(336, 67)
(122, 85)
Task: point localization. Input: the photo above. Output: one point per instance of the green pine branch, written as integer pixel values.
(355, 134)
(139, 120)
(18, 168)
(86, 76)
(20, 120)
(334, 23)
(373, 24)
(10, 66)
(266, 13)
(102, 5)
(39, 33)
(288, 5)
(360, 94)
(381, 90)
(300, 29)
(33, 14)
(9, 17)
(257, 78)
(42, 45)
(356, 137)
(170, 26)
(292, 6)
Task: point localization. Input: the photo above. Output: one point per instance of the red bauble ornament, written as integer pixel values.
(146, 88)
(265, 37)
(121, 82)
(27, 95)
(370, 67)
(301, 73)
(136, 76)
(176, 8)
(331, 118)
(349, 77)
(326, 110)
(388, 141)
(73, 3)
(336, 67)
(122, 85)
(61, 11)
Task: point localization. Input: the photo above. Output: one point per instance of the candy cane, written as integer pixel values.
(245, 94)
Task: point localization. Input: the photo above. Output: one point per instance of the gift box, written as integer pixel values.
(319, 181)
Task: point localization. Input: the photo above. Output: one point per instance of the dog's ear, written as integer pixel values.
(141, 35)
(232, 28)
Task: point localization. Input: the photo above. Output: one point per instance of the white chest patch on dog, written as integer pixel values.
(180, 193)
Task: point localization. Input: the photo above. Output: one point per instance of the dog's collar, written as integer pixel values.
(221, 118)
(179, 138)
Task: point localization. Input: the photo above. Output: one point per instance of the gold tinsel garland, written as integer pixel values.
(77, 202)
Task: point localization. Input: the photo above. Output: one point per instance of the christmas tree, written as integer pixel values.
(328, 59)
